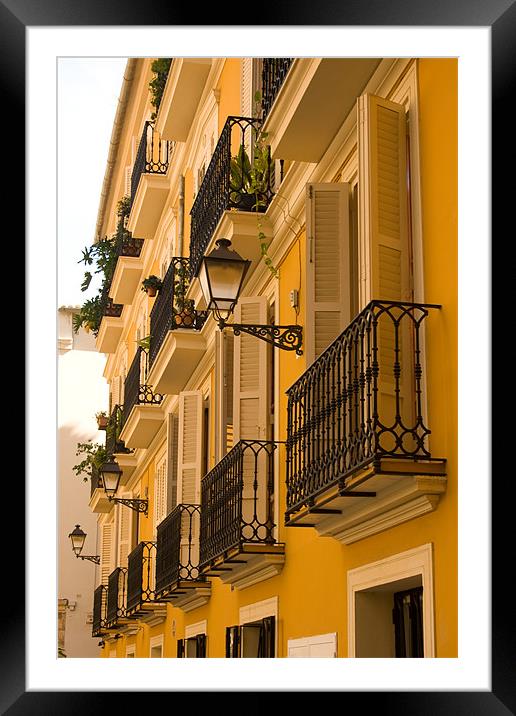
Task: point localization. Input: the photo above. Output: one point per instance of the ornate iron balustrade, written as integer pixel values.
(99, 610)
(116, 596)
(127, 245)
(152, 157)
(358, 402)
(108, 308)
(136, 391)
(177, 557)
(140, 577)
(274, 71)
(226, 184)
(171, 310)
(113, 430)
(95, 481)
(237, 500)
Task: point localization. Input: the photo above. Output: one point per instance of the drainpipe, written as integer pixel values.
(181, 216)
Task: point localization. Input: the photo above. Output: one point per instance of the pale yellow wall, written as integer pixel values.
(229, 86)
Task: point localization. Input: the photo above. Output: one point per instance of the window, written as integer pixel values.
(254, 640)
(156, 647)
(321, 646)
(192, 648)
(390, 606)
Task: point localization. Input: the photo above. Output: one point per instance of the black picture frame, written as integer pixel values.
(500, 16)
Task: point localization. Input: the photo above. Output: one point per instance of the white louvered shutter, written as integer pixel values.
(106, 552)
(189, 469)
(172, 454)
(160, 491)
(224, 387)
(250, 402)
(125, 526)
(190, 447)
(384, 249)
(127, 180)
(328, 271)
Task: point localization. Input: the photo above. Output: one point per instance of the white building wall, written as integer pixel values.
(82, 392)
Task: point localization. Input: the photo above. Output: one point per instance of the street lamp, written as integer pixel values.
(221, 277)
(78, 538)
(111, 472)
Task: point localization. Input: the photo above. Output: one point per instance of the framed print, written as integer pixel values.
(33, 680)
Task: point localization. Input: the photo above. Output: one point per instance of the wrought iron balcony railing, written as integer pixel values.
(140, 577)
(95, 480)
(113, 430)
(136, 390)
(227, 184)
(237, 500)
(171, 309)
(177, 557)
(152, 157)
(99, 610)
(274, 71)
(127, 245)
(359, 402)
(116, 596)
(107, 307)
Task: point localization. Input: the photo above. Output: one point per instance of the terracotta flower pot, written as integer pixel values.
(151, 291)
(102, 423)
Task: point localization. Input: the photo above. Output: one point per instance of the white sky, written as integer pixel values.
(88, 90)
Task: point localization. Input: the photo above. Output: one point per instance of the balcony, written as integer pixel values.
(116, 599)
(111, 325)
(177, 561)
(142, 412)
(274, 71)
(358, 460)
(149, 185)
(98, 499)
(141, 602)
(128, 269)
(183, 90)
(115, 446)
(296, 127)
(176, 345)
(99, 611)
(238, 541)
(225, 188)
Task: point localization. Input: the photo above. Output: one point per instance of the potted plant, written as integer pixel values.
(102, 419)
(183, 307)
(151, 285)
(94, 457)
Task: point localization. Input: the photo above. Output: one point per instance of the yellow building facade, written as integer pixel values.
(294, 503)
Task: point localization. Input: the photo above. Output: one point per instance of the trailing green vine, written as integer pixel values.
(160, 68)
(94, 457)
(103, 255)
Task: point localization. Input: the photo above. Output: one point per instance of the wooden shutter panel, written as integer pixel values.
(383, 202)
(267, 643)
(224, 392)
(190, 447)
(328, 271)
(172, 449)
(160, 491)
(232, 642)
(127, 180)
(250, 379)
(124, 520)
(180, 648)
(246, 87)
(201, 646)
(384, 250)
(106, 552)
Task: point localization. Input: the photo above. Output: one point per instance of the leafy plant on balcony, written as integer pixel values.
(151, 285)
(160, 68)
(94, 457)
(103, 256)
(182, 306)
(250, 181)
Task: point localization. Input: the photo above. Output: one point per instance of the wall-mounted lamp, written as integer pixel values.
(111, 472)
(78, 538)
(221, 277)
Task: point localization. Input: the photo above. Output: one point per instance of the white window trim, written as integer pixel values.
(195, 629)
(131, 649)
(260, 610)
(413, 562)
(156, 641)
(312, 640)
